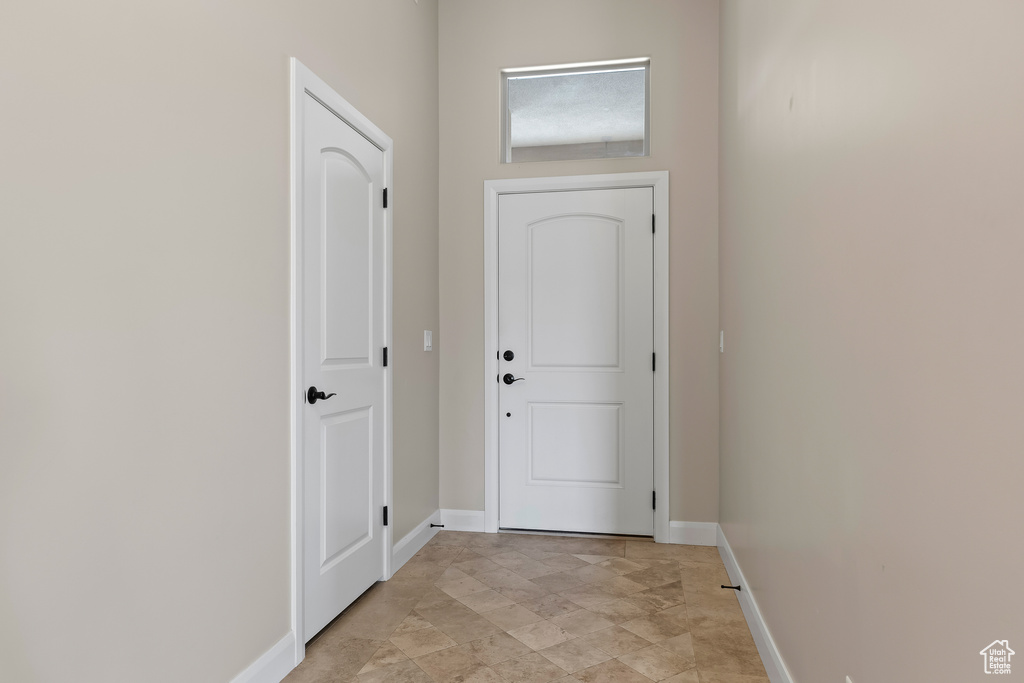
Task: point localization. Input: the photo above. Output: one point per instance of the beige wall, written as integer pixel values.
(479, 38)
(871, 280)
(144, 296)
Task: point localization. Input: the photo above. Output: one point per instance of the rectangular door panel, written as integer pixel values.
(574, 268)
(576, 444)
(346, 491)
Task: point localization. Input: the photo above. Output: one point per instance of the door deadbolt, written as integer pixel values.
(508, 355)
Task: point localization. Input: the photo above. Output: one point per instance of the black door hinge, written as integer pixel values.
(654, 500)
(385, 515)
(652, 223)
(385, 197)
(653, 363)
(385, 356)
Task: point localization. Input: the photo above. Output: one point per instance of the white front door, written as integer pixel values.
(343, 300)
(576, 335)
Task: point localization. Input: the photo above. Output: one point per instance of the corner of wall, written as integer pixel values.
(774, 665)
(412, 542)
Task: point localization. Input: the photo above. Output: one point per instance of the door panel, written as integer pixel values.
(575, 306)
(343, 327)
(576, 290)
(576, 444)
(347, 242)
(344, 476)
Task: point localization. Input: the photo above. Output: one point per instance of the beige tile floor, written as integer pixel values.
(519, 608)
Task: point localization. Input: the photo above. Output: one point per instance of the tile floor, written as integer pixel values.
(518, 608)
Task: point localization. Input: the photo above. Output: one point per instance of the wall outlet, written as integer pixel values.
(428, 340)
(721, 341)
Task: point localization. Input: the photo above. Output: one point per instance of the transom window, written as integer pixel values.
(582, 111)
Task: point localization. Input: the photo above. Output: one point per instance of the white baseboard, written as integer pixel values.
(693, 533)
(273, 665)
(413, 541)
(463, 520)
(770, 655)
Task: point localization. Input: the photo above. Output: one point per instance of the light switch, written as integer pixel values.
(428, 341)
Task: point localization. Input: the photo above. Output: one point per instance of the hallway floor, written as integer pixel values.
(518, 608)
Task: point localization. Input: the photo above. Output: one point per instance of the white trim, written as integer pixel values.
(661, 348)
(770, 655)
(295, 370)
(693, 533)
(578, 65)
(492, 189)
(413, 541)
(464, 520)
(305, 81)
(273, 665)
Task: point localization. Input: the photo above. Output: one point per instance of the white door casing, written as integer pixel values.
(575, 302)
(494, 414)
(341, 324)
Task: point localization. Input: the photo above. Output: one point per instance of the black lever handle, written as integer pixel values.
(313, 395)
(509, 378)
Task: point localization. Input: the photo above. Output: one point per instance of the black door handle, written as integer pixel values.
(508, 378)
(313, 395)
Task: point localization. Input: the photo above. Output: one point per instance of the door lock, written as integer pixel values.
(509, 378)
(508, 355)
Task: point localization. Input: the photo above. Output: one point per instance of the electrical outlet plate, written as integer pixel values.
(849, 680)
(428, 340)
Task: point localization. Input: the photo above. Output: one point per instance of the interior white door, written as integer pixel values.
(343, 262)
(576, 329)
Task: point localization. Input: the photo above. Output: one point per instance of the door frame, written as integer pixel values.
(658, 181)
(304, 81)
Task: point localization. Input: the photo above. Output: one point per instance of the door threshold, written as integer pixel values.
(574, 534)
